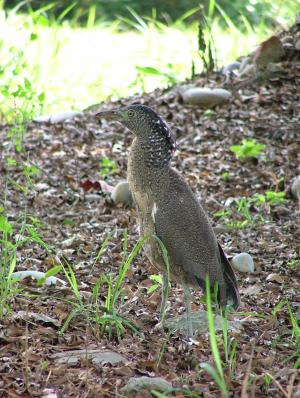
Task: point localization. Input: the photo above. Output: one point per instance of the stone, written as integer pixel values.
(136, 384)
(73, 357)
(231, 67)
(51, 280)
(199, 322)
(205, 97)
(243, 262)
(57, 117)
(121, 194)
(295, 188)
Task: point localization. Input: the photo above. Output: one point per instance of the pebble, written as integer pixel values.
(295, 188)
(243, 262)
(136, 384)
(231, 67)
(205, 97)
(57, 117)
(121, 194)
(51, 280)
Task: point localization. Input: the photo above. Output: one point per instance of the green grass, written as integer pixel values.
(245, 211)
(13, 236)
(63, 67)
(104, 316)
(249, 148)
(216, 372)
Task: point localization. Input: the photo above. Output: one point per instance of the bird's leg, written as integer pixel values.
(187, 301)
(164, 301)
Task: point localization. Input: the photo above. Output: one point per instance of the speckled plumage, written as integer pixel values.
(168, 208)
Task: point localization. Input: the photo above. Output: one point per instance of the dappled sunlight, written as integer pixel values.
(79, 67)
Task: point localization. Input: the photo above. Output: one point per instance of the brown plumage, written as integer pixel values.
(168, 209)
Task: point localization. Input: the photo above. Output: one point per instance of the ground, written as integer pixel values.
(73, 216)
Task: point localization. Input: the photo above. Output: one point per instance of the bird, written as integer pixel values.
(169, 213)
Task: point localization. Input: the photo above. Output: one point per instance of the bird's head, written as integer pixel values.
(144, 123)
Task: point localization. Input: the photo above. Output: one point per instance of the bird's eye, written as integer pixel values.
(130, 113)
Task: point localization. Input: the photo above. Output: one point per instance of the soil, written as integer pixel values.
(73, 215)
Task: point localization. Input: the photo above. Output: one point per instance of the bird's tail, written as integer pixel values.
(229, 294)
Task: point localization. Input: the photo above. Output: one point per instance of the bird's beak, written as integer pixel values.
(109, 115)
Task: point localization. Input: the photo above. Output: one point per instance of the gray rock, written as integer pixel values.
(199, 322)
(136, 384)
(245, 62)
(96, 356)
(243, 262)
(122, 194)
(35, 317)
(295, 188)
(231, 67)
(51, 280)
(205, 97)
(57, 117)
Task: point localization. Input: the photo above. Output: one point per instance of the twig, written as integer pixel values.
(247, 375)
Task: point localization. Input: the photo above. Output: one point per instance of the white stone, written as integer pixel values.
(51, 280)
(205, 97)
(136, 384)
(243, 262)
(295, 188)
(57, 117)
(231, 67)
(121, 194)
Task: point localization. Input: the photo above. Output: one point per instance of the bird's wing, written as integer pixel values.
(184, 229)
(232, 292)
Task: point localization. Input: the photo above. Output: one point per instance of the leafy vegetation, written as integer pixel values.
(70, 71)
(242, 212)
(12, 240)
(86, 12)
(84, 78)
(248, 149)
(216, 373)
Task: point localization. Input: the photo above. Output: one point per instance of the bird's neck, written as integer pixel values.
(146, 166)
(153, 152)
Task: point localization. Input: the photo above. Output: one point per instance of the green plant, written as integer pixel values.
(108, 167)
(275, 197)
(242, 212)
(167, 76)
(21, 104)
(293, 339)
(11, 240)
(93, 78)
(28, 170)
(225, 176)
(238, 215)
(206, 45)
(104, 314)
(157, 279)
(267, 380)
(248, 149)
(7, 263)
(216, 373)
(293, 263)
